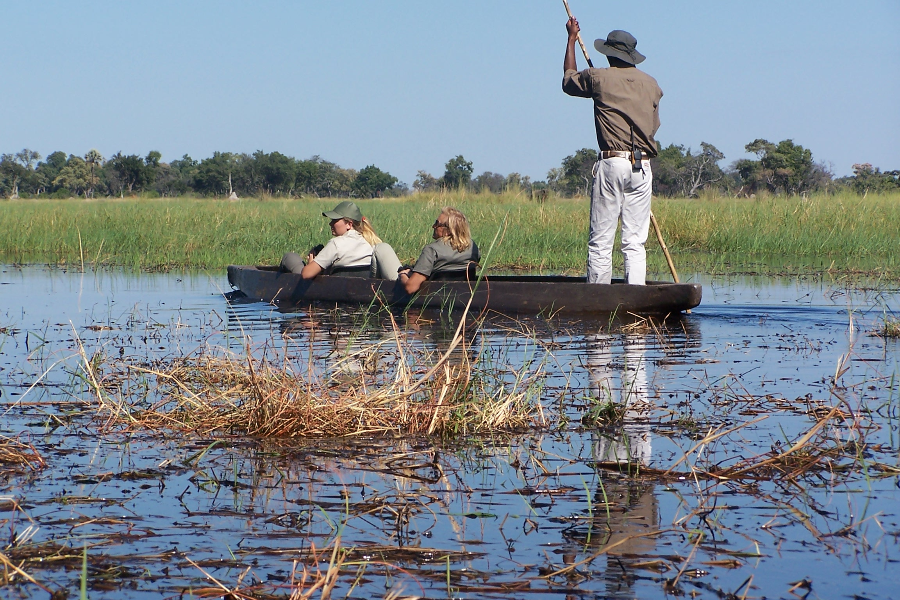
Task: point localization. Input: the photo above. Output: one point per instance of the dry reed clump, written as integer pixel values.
(232, 394)
(835, 443)
(18, 457)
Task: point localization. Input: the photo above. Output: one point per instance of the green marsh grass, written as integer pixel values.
(890, 328)
(842, 233)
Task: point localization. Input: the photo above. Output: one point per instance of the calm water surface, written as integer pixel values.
(163, 514)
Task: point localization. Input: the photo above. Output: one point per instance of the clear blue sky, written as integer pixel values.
(407, 85)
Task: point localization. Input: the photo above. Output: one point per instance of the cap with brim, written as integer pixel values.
(344, 210)
(622, 45)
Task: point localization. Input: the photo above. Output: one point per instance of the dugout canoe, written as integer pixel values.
(523, 294)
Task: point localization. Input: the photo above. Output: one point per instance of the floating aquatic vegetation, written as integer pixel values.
(16, 456)
(388, 387)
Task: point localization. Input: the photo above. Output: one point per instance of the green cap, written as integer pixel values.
(345, 210)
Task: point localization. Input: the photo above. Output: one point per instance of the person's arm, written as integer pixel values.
(318, 263)
(572, 28)
(311, 269)
(412, 281)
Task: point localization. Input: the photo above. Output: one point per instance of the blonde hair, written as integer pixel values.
(365, 229)
(460, 238)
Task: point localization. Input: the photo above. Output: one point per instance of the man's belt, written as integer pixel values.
(620, 154)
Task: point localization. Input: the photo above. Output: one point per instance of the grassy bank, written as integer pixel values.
(844, 233)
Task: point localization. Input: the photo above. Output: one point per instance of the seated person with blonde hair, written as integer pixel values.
(452, 253)
(348, 253)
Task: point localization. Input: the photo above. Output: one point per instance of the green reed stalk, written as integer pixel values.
(84, 574)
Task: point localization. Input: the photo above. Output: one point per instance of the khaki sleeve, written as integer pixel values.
(577, 83)
(328, 255)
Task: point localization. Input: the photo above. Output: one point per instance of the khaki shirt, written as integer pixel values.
(617, 92)
(348, 250)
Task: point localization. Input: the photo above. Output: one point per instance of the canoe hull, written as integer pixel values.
(503, 293)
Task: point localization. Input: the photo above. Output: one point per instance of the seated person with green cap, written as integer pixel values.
(347, 254)
(452, 255)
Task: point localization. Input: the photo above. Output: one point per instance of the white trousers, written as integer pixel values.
(633, 443)
(619, 195)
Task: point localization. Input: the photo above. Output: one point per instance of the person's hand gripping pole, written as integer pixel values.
(578, 30)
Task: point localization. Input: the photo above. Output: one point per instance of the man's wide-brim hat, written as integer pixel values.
(620, 44)
(344, 210)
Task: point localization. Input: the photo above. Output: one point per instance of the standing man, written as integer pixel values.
(626, 116)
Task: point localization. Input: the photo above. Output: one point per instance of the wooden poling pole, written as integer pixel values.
(652, 218)
(663, 246)
(665, 249)
(580, 43)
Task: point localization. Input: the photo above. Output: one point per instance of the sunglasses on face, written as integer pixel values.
(437, 224)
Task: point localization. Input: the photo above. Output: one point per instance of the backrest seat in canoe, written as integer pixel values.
(384, 262)
(362, 271)
(470, 273)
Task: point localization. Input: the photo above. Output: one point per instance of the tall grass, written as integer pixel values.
(842, 232)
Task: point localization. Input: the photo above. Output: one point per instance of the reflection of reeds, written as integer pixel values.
(218, 391)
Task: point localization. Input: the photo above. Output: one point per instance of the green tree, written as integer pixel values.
(330, 179)
(11, 173)
(178, 178)
(425, 182)
(489, 182)
(679, 171)
(457, 173)
(215, 174)
(371, 182)
(131, 171)
(272, 173)
(784, 167)
(75, 176)
(48, 170)
(153, 158)
(93, 158)
(152, 170)
(575, 176)
(515, 182)
(16, 169)
(867, 178)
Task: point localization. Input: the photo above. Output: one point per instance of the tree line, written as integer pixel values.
(782, 168)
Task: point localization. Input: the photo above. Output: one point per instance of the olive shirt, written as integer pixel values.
(440, 257)
(348, 250)
(617, 92)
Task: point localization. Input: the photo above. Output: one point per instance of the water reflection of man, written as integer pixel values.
(624, 506)
(624, 385)
(633, 513)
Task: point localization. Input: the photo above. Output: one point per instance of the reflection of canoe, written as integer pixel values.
(502, 293)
